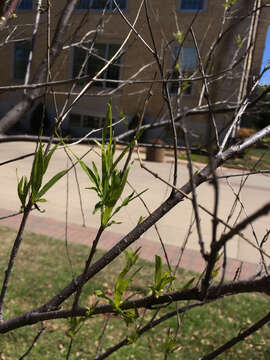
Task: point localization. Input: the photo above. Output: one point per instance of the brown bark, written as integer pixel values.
(13, 115)
(6, 12)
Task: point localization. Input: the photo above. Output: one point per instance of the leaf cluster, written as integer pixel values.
(161, 279)
(76, 323)
(32, 190)
(179, 36)
(110, 184)
(170, 343)
(121, 286)
(229, 3)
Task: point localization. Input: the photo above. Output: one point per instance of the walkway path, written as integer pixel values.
(191, 259)
(172, 227)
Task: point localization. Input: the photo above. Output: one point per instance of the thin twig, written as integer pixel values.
(261, 285)
(81, 282)
(9, 216)
(240, 337)
(33, 342)
(12, 257)
(101, 338)
(186, 196)
(155, 227)
(151, 324)
(194, 194)
(69, 348)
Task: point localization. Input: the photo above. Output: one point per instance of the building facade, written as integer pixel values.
(204, 50)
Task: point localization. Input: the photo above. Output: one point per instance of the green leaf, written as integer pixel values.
(105, 169)
(170, 342)
(122, 282)
(123, 153)
(107, 123)
(97, 143)
(110, 223)
(97, 207)
(215, 272)
(166, 279)
(51, 182)
(22, 189)
(41, 200)
(141, 218)
(109, 114)
(98, 293)
(88, 171)
(239, 41)
(95, 180)
(120, 287)
(127, 200)
(179, 36)
(132, 338)
(106, 216)
(47, 158)
(101, 294)
(37, 172)
(109, 184)
(161, 279)
(229, 3)
(96, 173)
(128, 315)
(76, 323)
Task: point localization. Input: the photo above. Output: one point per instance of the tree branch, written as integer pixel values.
(214, 292)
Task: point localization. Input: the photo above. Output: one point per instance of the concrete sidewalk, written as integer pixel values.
(190, 260)
(172, 227)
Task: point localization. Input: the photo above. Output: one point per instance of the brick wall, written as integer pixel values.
(165, 18)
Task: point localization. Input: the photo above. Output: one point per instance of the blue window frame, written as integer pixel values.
(192, 5)
(99, 5)
(21, 57)
(25, 5)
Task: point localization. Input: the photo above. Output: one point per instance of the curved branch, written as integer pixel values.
(214, 292)
(242, 335)
(141, 228)
(12, 116)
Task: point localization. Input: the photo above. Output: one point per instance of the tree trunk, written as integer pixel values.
(14, 115)
(6, 12)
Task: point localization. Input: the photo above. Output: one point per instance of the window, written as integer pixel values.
(25, 5)
(21, 55)
(89, 63)
(192, 5)
(86, 121)
(101, 4)
(186, 64)
(188, 58)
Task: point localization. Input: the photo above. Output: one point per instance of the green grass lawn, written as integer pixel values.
(253, 157)
(42, 269)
